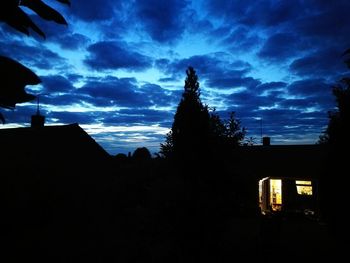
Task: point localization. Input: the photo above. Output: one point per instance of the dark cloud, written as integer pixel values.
(115, 55)
(72, 117)
(280, 46)
(222, 32)
(283, 118)
(169, 79)
(255, 12)
(328, 20)
(279, 116)
(195, 24)
(111, 91)
(60, 34)
(309, 87)
(324, 62)
(250, 101)
(72, 41)
(210, 66)
(271, 13)
(164, 21)
(138, 116)
(317, 118)
(228, 9)
(234, 82)
(32, 56)
(313, 17)
(73, 77)
(108, 91)
(65, 99)
(241, 38)
(95, 10)
(56, 83)
(292, 124)
(160, 97)
(291, 27)
(298, 103)
(272, 86)
(60, 91)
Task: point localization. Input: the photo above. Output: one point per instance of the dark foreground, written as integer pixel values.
(138, 215)
(142, 236)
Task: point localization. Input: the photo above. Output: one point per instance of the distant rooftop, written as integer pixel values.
(63, 140)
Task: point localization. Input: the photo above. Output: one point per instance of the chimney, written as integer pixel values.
(266, 141)
(38, 120)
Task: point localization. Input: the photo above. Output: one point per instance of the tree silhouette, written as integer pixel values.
(141, 154)
(12, 14)
(335, 181)
(338, 128)
(14, 76)
(250, 141)
(198, 133)
(347, 57)
(226, 135)
(190, 129)
(199, 145)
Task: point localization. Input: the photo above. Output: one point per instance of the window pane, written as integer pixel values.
(276, 194)
(304, 190)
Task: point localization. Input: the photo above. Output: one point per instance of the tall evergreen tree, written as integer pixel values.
(335, 180)
(198, 142)
(196, 132)
(338, 128)
(190, 129)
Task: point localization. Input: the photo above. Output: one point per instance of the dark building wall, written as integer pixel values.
(282, 161)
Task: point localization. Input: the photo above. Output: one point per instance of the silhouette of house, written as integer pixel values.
(53, 181)
(280, 176)
(50, 147)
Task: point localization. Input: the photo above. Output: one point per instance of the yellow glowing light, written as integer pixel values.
(276, 194)
(304, 187)
(304, 190)
(298, 182)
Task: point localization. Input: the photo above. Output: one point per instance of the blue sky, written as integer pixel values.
(118, 68)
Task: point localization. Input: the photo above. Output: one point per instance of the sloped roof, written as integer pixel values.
(65, 144)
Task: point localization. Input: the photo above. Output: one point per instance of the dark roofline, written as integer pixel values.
(90, 138)
(56, 127)
(44, 127)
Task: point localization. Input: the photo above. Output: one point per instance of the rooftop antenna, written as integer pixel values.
(38, 105)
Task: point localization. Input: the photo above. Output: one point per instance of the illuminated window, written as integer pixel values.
(276, 194)
(304, 187)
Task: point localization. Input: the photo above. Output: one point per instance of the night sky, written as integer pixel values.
(118, 68)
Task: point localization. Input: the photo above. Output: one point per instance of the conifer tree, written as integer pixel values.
(189, 132)
(335, 180)
(196, 132)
